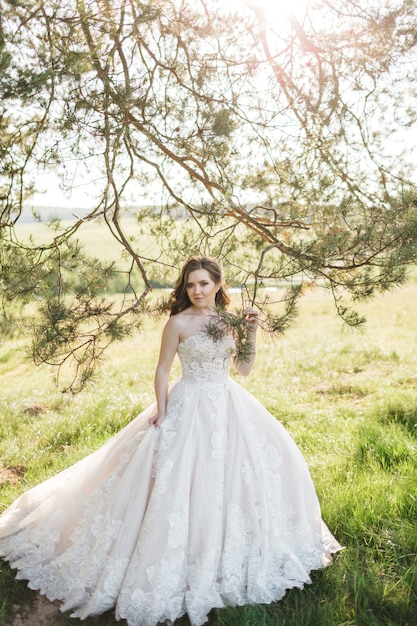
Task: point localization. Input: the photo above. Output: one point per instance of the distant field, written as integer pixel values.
(348, 398)
(95, 236)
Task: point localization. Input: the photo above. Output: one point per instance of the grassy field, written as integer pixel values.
(96, 238)
(348, 398)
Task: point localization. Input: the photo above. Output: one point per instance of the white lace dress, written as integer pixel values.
(217, 508)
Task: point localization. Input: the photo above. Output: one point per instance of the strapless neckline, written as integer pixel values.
(184, 341)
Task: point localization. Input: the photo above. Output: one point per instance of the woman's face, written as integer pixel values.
(201, 289)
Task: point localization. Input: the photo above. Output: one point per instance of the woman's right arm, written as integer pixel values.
(169, 345)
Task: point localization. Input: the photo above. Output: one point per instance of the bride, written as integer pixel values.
(202, 501)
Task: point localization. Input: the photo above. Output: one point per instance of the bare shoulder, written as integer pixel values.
(173, 326)
(180, 321)
(184, 324)
(170, 339)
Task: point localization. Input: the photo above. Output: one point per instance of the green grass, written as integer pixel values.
(348, 398)
(95, 236)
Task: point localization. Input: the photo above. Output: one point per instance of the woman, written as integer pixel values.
(202, 501)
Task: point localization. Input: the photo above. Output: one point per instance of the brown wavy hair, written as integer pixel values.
(179, 298)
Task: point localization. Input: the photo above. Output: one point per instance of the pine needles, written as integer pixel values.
(228, 323)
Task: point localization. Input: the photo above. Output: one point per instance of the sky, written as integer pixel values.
(52, 194)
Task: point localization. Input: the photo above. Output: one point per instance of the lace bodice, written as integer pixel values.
(205, 361)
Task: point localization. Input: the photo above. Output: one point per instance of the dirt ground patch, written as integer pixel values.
(11, 473)
(41, 613)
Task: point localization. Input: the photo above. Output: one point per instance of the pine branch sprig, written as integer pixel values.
(231, 323)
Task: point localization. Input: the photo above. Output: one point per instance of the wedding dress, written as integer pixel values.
(216, 508)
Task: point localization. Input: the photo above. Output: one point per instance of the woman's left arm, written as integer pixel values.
(252, 320)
